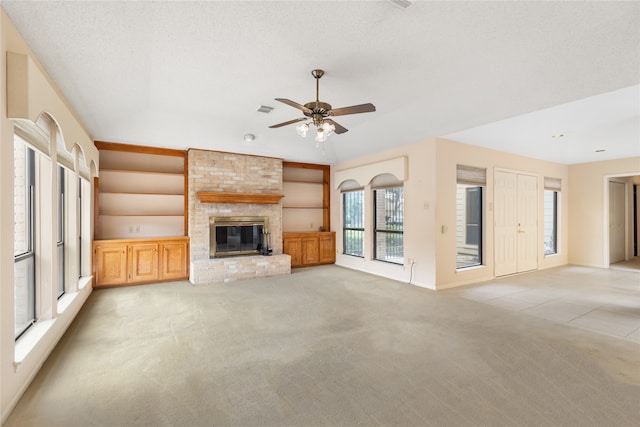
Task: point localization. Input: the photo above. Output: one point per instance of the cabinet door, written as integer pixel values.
(111, 264)
(310, 250)
(173, 260)
(143, 262)
(328, 248)
(293, 248)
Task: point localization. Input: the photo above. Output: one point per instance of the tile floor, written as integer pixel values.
(605, 301)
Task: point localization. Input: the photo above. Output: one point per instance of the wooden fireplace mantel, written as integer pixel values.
(247, 198)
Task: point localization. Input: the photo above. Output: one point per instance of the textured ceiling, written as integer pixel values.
(192, 74)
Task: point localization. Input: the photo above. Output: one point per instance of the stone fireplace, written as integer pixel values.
(243, 185)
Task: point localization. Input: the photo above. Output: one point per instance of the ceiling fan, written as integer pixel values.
(320, 113)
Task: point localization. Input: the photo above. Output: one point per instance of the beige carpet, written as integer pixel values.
(325, 346)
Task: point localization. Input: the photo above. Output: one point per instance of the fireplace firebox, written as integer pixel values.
(238, 236)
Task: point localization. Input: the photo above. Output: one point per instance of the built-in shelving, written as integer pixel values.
(140, 192)
(305, 206)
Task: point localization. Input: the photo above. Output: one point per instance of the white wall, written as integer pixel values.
(589, 209)
(29, 94)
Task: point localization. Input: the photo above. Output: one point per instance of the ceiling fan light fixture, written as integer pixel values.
(328, 128)
(325, 130)
(321, 136)
(302, 129)
(321, 114)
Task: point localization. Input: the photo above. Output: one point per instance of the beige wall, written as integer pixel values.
(449, 154)
(32, 94)
(419, 215)
(430, 211)
(588, 210)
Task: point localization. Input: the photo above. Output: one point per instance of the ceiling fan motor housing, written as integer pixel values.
(319, 111)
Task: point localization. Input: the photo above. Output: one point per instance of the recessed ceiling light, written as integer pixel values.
(265, 109)
(558, 135)
(249, 137)
(600, 151)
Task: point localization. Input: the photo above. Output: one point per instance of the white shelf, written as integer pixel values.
(301, 175)
(142, 162)
(141, 204)
(302, 194)
(118, 181)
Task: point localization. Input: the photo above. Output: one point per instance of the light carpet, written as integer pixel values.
(325, 346)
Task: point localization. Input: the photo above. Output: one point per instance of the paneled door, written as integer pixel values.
(505, 228)
(527, 231)
(516, 223)
(143, 262)
(616, 221)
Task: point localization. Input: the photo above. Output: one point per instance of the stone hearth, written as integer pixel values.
(211, 171)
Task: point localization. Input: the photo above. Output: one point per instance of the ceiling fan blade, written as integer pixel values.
(288, 123)
(338, 127)
(295, 105)
(354, 109)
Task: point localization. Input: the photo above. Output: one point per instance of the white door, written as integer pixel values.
(616, 221)
(515, 226)
(504, 212)
(527, 217)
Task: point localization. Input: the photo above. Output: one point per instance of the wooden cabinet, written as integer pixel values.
(173, 261)
(143, 262)
(135, 261)
(308, 249)
(327, 248)
(293, 247)
(111, 262)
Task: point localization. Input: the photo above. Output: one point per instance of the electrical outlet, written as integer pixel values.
(137, 228)
(131, 229)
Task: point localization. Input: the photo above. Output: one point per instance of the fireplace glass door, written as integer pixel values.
(233, 236)
(231, 240)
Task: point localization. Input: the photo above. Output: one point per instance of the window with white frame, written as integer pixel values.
(389, 224)
(80, 224)
(49, 215)
(353, 223)
(24, 241)
(62, 219)
(84, 212)
(551, 203)
(470, 182)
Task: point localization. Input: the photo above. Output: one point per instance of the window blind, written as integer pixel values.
(385, 180)
(31, 135)
(350, 185)
(553, 184)
(471, 175)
